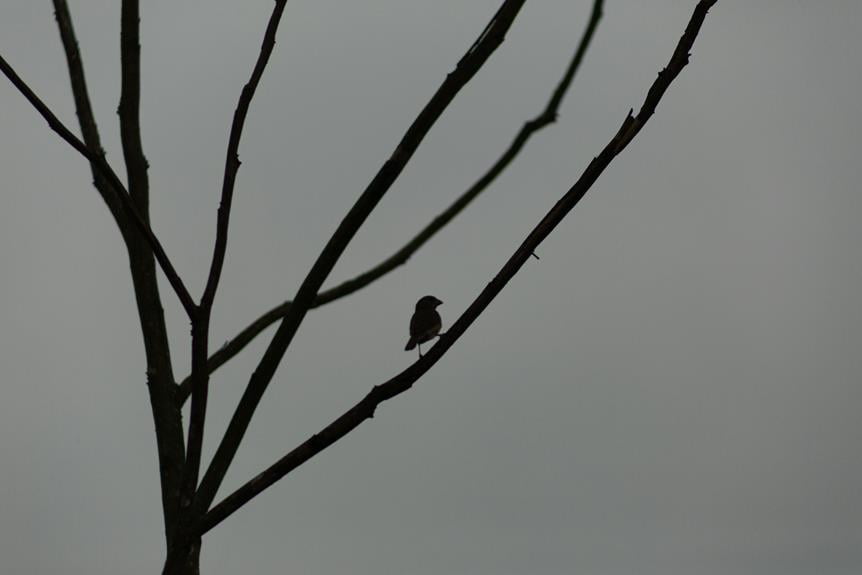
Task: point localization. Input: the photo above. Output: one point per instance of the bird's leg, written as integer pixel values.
(419, 347)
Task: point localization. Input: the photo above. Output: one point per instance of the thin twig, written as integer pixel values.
(403, 381)
(232, 162)
(400, 257)
(260, 379)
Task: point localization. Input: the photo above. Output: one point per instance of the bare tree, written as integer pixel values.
(188, 495)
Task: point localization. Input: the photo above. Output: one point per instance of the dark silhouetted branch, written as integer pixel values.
(467, 67)
(129, 109)
(232, 162)
(166, 415)
(237, 344)
(199, 378)
(97, 160)
(86, 119)
(198, 411)
(403, 381)
(545, 118)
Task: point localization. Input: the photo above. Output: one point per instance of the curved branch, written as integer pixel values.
(400, 257)
(467, 67)
(403, 381)
(105, 169)
(232, 163)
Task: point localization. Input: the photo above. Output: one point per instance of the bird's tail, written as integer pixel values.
(410, 344)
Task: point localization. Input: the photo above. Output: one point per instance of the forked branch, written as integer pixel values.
(232, 163)
(467, 67)
(86, 119)
(403, 381)
(168, 425)
(400, 257)
(199, 378)
(97, 160)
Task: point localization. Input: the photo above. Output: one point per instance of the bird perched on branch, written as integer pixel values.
(425, 324)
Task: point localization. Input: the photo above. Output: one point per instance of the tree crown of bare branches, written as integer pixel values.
(186, 497)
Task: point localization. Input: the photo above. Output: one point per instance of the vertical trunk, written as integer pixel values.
(160, 379)
(184, 563)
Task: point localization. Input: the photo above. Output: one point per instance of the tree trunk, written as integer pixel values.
(186, 562)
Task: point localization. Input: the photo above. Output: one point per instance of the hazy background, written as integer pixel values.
(673, 388)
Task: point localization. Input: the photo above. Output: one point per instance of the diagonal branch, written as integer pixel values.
(96, 159)
(403, 381)
(86, 119)
(467, 67)
(232, 161)
(400, 257)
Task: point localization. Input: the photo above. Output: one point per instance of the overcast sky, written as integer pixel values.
(673, 388)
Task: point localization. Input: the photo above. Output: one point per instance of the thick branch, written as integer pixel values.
(197, 414)
(403, 381)
(545, 118)
(467, 67)
(166, 415)
(130, 106)
(97, 160)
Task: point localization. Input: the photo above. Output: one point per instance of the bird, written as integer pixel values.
(425, 324)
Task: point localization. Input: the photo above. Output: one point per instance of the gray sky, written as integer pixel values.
(673, 388)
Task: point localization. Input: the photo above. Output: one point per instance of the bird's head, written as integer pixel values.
(428, 302)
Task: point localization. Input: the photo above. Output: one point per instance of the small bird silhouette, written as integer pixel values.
(425, 324)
